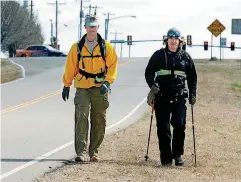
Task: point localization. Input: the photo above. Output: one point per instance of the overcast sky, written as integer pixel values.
(154, 18)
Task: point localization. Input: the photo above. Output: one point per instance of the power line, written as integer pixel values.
(92, 7)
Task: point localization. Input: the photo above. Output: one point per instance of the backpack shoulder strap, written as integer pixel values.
(101, 42)
(165, 56)
(80, 45)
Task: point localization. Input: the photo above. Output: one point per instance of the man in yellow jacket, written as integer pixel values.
(92, 64)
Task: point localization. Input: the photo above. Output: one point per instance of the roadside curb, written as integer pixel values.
(22, 72)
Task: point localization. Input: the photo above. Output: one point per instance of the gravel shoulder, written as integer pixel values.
(217, 116)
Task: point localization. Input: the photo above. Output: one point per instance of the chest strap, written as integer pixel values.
(168, 72)
(97, 76)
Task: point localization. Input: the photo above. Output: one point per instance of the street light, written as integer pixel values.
(108, 19)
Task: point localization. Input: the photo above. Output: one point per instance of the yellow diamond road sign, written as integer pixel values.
(216, 28)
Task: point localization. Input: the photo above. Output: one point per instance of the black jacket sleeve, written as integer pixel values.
(151, 69)
(191, 77)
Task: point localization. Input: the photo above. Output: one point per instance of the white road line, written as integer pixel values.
(15, 170)
(128, 115)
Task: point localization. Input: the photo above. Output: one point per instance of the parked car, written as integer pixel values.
(39, 51)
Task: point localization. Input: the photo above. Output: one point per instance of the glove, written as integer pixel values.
(65, 93)
(104, 88)
(192, 100)
(151, 96)
(155, 88)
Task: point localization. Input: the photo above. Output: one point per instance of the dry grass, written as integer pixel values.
(9, 71)
(218, 141)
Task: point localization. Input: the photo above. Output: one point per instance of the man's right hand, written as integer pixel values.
(65, 93)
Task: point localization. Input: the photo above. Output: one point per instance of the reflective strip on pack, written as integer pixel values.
(180, 73)
(168, 72)
(99, 79)
(163, 72)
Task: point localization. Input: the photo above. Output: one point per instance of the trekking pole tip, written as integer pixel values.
(146, 157)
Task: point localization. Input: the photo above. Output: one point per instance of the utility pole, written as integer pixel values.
(31, 9)
(107, 25)
(90, 9)
(81, 16)
(56, 22)
(56, 25)
(95, 10)
(51, 32)
(96, 7)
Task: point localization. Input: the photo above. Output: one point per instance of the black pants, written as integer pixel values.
(175, 114)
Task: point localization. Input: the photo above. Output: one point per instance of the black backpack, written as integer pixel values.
(101, 42)
(102, 45)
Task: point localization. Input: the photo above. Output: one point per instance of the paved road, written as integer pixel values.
(36, 65)
(38, 126)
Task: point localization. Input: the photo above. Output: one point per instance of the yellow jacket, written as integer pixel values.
(92, 65)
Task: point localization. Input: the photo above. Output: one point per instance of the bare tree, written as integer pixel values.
(18, 28)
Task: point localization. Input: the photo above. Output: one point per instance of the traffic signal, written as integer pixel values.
(232, 46)
(129, 40)
(189, 40)
(206, 45)
(164, 39)
(184, 46)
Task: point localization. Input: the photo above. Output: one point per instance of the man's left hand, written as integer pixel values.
(192, 100)
(65, 93)
(104, 88)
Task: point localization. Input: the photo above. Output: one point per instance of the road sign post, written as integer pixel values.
(216, 28)
(236, 29)
(223, 43)
(220, 48)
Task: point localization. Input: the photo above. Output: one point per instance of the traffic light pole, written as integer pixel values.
(129, 51)
(129, 42)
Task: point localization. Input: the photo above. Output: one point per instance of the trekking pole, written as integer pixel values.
(146, 156)
(193, 136)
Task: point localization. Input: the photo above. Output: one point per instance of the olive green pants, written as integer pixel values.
(89, 100)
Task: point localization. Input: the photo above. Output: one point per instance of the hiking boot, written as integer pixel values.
(178, 161)
(166, 164)
(80, 158)
(166, 159)
(94, 159)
